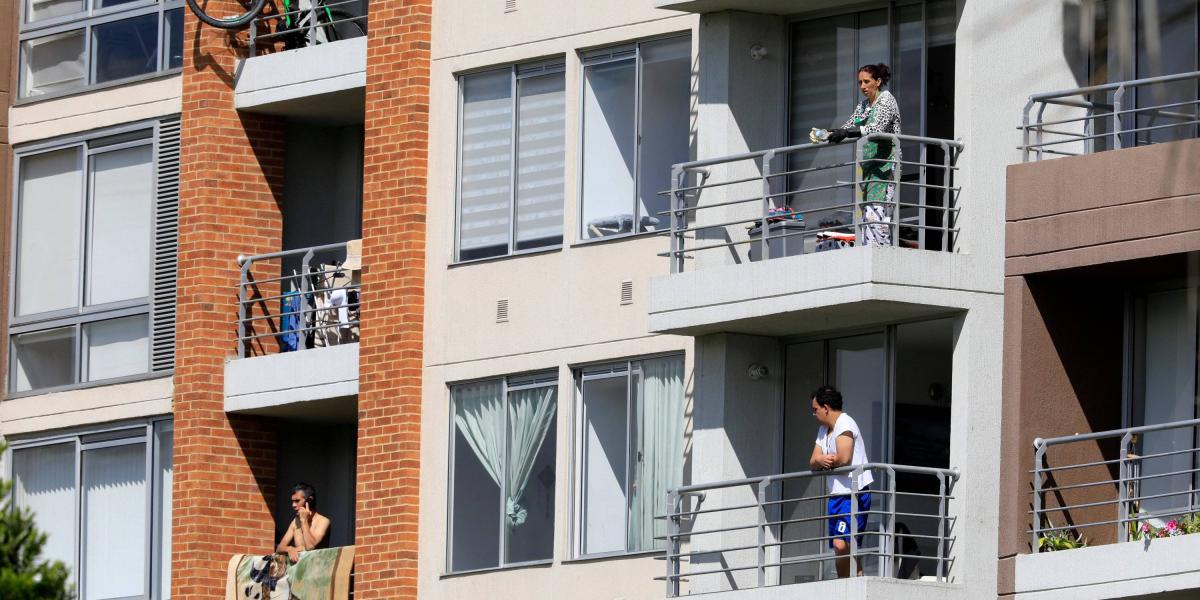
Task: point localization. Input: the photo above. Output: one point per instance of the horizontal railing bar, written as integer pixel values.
(283, 253)
(1076, 466)
(285, 332)
(258, 299)
(1079, 485)
(252, 282)
(1112, 86)
(1082, 437)
(301, 11)
(1108, 135)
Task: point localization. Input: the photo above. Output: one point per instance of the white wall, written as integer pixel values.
(92, 110)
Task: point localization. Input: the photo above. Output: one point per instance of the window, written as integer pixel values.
(502, 472)
(636, 124)
(73, 44)
(629, 443)
(511, 148)
(104, 502)
(93, 235)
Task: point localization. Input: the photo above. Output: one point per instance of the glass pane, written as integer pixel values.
(666, 90)
(114, 522)
(609, 132)
(659, 451)
(108, 3)
(605, 419)
(486, 165)
(43, 359)
(164, 479)
(1176, 52)
(478, 464)
(119, 241)
(173, 38)
(805, 372)
(126, 48)
(44, 482)
(48, 231)
(541, 139)
(117, 347)
(54, 63)
(40, 10)
(858, 369)
(532, 436)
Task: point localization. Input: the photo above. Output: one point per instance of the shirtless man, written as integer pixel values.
(308, 528)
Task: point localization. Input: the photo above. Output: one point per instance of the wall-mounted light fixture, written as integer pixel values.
(757, 371)
(758, 52)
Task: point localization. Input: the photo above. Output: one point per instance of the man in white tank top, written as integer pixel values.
(839, 443)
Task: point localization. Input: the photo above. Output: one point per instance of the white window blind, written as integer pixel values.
(541, 139)
(44, 479)
(40, 10)
(49, 217)
(114, 488)
(122, 208)
(54, 63)
(485, 164)
(117, 347)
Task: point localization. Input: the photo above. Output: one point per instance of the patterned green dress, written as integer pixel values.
(878, 177)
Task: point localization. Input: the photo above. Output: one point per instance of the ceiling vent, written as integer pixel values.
(510, 6)
(626, 292)
(502, 310)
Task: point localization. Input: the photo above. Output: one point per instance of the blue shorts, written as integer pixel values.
(838, 509)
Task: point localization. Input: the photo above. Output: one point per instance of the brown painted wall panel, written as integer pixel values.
(1104, 225)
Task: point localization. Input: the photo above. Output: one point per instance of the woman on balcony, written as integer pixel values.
(877, 113)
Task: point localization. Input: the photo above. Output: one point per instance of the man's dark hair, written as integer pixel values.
(828, 396)
(310, 494)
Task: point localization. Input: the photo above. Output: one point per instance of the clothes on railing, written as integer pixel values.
(318, 575)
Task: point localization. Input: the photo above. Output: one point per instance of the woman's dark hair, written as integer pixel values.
(310, 494)
(828, 396)
(877, 71)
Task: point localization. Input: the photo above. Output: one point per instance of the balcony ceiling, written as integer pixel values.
(771, 7)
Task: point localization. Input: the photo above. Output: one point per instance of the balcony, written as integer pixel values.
(308, 63)
(743, 539)
(786, 239)
(297, 333)
(1123, 183)
(1130, 495)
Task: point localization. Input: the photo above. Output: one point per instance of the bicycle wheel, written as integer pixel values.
(232, 22)
(340, 27)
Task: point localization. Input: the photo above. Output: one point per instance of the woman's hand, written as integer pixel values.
(836, 135)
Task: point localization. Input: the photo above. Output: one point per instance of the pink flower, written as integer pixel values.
(1145, 528)
(1172, 525)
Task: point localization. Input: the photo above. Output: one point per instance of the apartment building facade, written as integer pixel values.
(534, 293)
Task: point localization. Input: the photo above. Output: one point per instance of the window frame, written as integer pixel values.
(86, 21)
(142, 431)
(133, 135)
(530, 380)
(517, 72)
(591, 372)
(611, 54)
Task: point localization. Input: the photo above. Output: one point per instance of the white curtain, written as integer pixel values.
(45, 484)
(661, 444)
(479, 417)
(114, 487)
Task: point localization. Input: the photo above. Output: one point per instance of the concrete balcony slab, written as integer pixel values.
(852, 287)
(1167, 566)
(867, 588)
(319, 384)
(771, 7)
(323, 82)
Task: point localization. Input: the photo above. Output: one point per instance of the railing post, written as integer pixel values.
(1025, 130)
(1118, 100)
(678, 204)
(1123, 501)
(943, 491)
(762, 532)
(253, 38)
(888, 569)
(312, 24)
(948, 214)
(1039, 456)
(1041, 118)
(855, 477)
(674, 507)
(307, 305)
(766, 203)
(856, 217)
(241, 325)
(894, 222)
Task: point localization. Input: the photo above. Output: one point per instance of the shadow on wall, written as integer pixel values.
(322, 455)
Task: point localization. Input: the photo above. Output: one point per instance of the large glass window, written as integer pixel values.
(72, 44)
(636, 124)
(102, 500)
(629, 443)
(502, 472)
(511, 157)
(84, 228)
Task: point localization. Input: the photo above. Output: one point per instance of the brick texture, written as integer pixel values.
(389, 403)
(231, 182)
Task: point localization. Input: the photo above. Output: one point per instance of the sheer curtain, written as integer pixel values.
(661, 443)
(114, 488)
(531, 414)
(45, 484)
(479, 416)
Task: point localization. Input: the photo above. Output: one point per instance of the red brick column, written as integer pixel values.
(390, 353)
(231, 181)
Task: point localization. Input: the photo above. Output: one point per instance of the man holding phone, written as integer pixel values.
(308, 528)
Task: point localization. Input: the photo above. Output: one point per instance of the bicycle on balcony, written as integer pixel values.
(321, 22)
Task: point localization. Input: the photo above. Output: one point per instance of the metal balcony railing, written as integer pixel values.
(751, 533)
(1111, 116)
(811, 197)
(318, 301)
(320, 23)
(1152, 476)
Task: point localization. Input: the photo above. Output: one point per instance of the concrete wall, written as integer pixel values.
(91, 110)
(43, 412)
